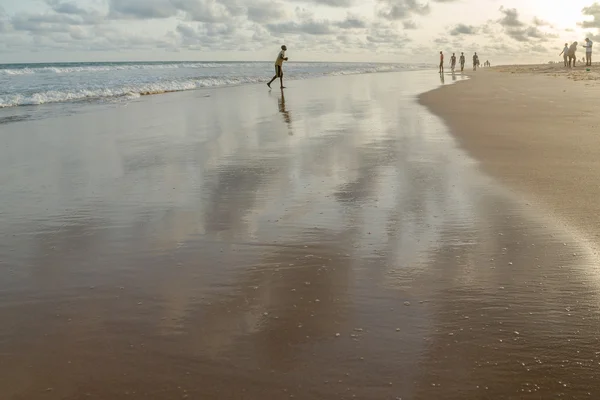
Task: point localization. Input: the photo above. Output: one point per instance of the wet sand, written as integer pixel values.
(334, 243)
(535, 130)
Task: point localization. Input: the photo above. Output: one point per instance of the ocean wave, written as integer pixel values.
(65, 69)
(128, 90)
(131, 91)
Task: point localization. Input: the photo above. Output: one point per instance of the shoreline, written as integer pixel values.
(534, 132)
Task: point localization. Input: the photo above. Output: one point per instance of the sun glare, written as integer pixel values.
(562, 15)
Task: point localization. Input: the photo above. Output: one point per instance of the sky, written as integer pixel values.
(503, 31)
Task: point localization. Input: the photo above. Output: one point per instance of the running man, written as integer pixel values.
(565, 53)
(279, 67)
(462, 62)
(452, 62)
(588, 52)
(475, 61)
(441, 62)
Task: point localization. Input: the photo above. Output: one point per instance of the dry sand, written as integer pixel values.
(536, 130)
(334, 243)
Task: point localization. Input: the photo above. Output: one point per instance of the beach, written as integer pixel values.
(534, 128)
(350, 237)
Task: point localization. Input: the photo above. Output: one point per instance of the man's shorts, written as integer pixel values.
(278, 71)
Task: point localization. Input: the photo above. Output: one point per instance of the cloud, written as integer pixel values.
(401, 9)
(462, 29)
(263, 12)
(540, 22)
(352, 22)
(409, 24)
(591, 11)
(381, 34)
(141, 9)
(209, 11)
(67, 8)
(308, 27)
(4, 21)
(330, 3)
(518, 30)
(511, 18)
(45, 22)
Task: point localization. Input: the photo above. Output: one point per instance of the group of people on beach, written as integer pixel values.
(281, 58)
(569, 57)
(461, 60)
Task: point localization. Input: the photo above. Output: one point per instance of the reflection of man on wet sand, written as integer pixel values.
(286, 114)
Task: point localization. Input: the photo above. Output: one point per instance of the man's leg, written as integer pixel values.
(281, 79)
(271, 81)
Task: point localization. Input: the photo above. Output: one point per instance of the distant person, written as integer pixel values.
(571, 54)
(453, 62)
(588, 52)
(462, 62)
(565, 54)
(279, 67)
(475, 61)
(441, 62)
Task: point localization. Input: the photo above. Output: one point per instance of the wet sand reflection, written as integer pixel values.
(212, 257)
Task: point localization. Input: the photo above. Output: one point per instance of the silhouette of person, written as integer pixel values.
(571, 54)
(588, 52)
(441, 62)
(462, 62)
(279, 67)
(565, 54)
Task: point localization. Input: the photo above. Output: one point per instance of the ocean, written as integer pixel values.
(37, 84)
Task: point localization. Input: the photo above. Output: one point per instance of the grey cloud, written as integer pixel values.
(525, 34)
(263, 12)
(511, 17)
(351, 22)
(386, 35)
(538, 48)
(410, 24)
(4, 22)
(67, 8)
(518, 30)
(45, 22)
(462, 29)
(540, 22)
(308, 27)
(330, 3)
(206, 10)
(401, 9)
(186, 30)
(142, 9)
(592, 11)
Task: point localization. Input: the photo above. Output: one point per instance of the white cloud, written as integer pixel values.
(204, 28)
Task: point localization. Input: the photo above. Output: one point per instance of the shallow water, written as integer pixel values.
(332, 243)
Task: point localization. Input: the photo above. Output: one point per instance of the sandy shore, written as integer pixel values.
(535, 128)
(332, 243)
